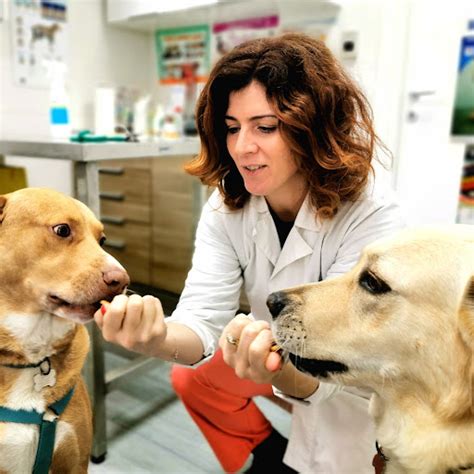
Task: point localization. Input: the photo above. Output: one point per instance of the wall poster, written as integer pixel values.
(39, 30)
(183, 54)
(463, 114)
(231, 33)
(466, 195)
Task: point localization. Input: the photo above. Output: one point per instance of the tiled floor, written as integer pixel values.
(149, 431)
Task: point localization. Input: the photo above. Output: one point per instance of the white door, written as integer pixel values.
(428, 163)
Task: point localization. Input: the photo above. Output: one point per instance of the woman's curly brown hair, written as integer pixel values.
(324, 118)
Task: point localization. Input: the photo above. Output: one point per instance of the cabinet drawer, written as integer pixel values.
(142, 163)
(134, 184)
(125, 190)
(167, 277)
(172, 254)
(130, 244)
(169, 175)
(124, 210)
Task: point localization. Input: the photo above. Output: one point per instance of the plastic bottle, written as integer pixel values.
(140, 116)
(59, 120)
(158, 120)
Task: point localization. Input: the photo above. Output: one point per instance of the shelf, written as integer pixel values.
(134, 15)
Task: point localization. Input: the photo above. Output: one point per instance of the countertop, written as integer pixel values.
(63, 149)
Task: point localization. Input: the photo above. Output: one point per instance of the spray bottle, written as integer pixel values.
(60, 126)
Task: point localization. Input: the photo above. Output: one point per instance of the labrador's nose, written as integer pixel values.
(116, 279)
(276, 302)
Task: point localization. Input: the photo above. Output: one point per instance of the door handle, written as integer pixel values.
(417, 95)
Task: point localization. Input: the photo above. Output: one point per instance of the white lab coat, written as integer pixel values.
(331, 431)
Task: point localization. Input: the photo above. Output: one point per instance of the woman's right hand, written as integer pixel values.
(134, 322)
(245, 345)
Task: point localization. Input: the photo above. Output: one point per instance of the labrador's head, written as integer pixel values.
(404, 315)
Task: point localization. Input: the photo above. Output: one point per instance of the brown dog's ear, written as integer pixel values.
(3, 201)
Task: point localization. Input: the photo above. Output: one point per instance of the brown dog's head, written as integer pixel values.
(405, 313)
(51, 258)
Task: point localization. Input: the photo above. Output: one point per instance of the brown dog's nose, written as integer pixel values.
(276, 302)
(117, 279)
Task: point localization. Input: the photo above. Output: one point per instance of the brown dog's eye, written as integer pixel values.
(372, 284)
(102, 241)
(62, 230)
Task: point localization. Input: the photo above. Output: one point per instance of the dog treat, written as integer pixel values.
(275, 348)
(235, 342)
(104, 306)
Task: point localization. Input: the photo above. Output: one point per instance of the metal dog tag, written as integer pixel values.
(42, 381)
(46, 376)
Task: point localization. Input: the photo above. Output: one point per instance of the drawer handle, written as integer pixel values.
(112, 196)
(117, 220)
(115, 244)
(114, 171)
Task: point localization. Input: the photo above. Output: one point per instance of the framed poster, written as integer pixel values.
(229, 34)
(463, 113)
(466, 195)
(183, 54)
(39, 30)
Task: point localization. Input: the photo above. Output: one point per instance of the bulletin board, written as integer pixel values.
(183, 54)
(39, 30)
(463, 113)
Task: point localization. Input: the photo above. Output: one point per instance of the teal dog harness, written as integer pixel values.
(47, 424)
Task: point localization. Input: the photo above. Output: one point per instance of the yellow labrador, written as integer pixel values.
(401, 324)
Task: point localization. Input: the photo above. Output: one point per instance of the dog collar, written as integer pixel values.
(46, 377)
(47, 431)
(380, 461)
(44, 364)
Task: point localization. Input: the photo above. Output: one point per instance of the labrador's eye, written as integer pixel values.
(102, 240)
(62, 230)
(373, 284)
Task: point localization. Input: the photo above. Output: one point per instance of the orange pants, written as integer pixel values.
(221, 405)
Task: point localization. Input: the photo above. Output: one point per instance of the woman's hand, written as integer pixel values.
(134, 322)
(245, 345)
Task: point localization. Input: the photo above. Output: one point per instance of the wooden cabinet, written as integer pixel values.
(172, 223)
(146, 208)
(125, 202)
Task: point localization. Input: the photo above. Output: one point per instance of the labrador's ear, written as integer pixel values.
(3, 201)
(466, 313)
(466, 326)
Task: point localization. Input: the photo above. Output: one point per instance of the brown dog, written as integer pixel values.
(38, 32)
(53, 273)
(401, 324)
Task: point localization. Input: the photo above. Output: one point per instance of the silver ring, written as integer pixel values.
(231, 340)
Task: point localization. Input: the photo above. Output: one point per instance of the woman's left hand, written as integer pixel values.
(245, 345)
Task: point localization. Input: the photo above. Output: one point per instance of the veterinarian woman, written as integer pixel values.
(287, 139)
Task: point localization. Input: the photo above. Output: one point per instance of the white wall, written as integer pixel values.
(2, 70)
(380, 27)
(97, 54)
